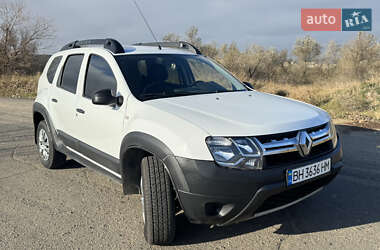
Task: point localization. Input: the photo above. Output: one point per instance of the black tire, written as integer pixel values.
(158, 202)
(54, 158)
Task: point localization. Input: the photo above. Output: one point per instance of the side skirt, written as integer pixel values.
(90, 163)
(89, 152)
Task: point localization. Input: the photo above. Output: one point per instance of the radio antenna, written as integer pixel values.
(147, 24)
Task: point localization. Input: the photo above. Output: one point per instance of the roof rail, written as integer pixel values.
(180, 45)
(108, 43)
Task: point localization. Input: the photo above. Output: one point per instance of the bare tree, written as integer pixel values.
(171, 37)
(210, 50)
(20, 36)
(331, 58)
(252, 62)
(192, 37)
(231, 58)
(357, 59)
(332, 53)
(360, 56)
(307, 51)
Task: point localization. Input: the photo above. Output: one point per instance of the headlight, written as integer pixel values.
(241, 153)
(334, 137)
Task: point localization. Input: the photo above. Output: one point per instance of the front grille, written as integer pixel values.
(276, 137)
(293, 194)
(283, 149)
(281, 136)
(276, 160)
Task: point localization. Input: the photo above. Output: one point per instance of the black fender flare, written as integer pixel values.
(131, 172)
(39, 108)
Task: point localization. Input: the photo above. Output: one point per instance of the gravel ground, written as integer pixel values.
(79, 208)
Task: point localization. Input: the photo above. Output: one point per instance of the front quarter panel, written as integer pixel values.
(181, 137)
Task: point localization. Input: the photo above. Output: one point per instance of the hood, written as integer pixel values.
(246, 113)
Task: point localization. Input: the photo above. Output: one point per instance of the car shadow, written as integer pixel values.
(70, 164)
(352, 199)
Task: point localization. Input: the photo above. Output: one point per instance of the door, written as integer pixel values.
(63, 97)
(99, 127)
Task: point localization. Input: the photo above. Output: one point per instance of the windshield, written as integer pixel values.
(152, 76)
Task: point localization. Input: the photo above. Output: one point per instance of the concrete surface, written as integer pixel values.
(76, 207)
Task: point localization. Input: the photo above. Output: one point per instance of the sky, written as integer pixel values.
(265, 22)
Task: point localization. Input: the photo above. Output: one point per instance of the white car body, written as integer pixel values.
(183, 123)
(221, 154)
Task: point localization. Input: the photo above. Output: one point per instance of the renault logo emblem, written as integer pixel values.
(304, 143)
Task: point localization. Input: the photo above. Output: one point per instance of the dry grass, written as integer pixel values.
(355, 101)
(18, 86)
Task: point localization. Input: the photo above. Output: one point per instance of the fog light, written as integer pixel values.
(218, 209)
(213, 208)
(252, 163)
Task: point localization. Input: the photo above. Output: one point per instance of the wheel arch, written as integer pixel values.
(37, 118)
(39, 114)
(137, 145)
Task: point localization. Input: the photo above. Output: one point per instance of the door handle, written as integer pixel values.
(54, 100)
(80, 111)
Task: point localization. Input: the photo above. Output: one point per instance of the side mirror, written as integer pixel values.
(119, 100)
(105, 97)
(249, 85)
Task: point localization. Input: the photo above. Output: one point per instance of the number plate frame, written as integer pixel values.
(310, 171)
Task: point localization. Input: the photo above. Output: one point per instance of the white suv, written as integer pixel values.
(173, 125)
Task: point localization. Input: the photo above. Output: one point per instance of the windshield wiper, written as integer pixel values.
(178, 93)
(150, 96)
(234, 90)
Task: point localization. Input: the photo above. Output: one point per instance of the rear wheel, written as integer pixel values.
(49, 157)
(158, 202)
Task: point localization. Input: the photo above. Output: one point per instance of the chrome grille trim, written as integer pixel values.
(286, 145)
(320, 133)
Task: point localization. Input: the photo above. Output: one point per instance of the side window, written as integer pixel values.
(99, 76)
(69, 78)
(53, 68)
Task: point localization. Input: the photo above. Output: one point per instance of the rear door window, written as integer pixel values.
(99, 76)
(53, 68)
(69, 78)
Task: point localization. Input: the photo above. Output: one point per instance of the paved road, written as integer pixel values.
(76, 207)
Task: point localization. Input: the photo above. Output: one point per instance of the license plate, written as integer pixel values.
(304, 173)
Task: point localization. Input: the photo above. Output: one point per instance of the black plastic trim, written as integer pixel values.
(39, 108)
(89, 164)
(110, 44)
(241, 190)
(179, 45)
(92, 153)
(153, 146)
(268, 191)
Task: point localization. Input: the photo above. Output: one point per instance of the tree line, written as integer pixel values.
(307, 62)
(22, 36)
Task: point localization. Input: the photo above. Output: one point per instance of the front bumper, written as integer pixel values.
(222, 196)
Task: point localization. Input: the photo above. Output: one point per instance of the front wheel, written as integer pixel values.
(49, 157)
(157, 201)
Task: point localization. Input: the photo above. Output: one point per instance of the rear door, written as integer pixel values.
(63, 97)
